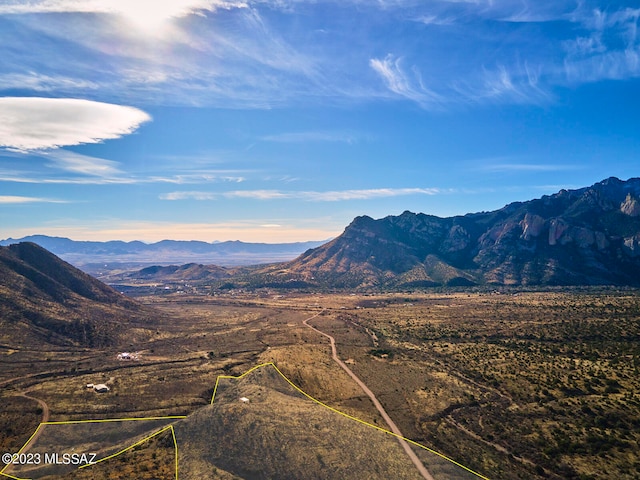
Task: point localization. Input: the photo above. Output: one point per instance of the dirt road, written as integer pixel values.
(45, 418)
(394, 428)
(34, 438)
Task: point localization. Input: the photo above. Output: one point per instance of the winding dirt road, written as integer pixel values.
(45, 418)
(45, 408)
(34, 438)
(394, 428)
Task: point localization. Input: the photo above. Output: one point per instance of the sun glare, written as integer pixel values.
(151, 15)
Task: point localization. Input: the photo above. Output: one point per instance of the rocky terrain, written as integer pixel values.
(589, 236)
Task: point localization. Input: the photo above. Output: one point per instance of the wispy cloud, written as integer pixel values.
(513, 85)
(609, 50)
(194, 178)
(400, 82)
(261, 194)
(13, 199)
(179, 179)
(60, 166)
(32, 123)
(433, 19)
(83, 164)
(45, 83)
(449, 53)
(33, 179)
(243, 60)
(188, 196)
(165, 8)
(309, 196)
(341, 195)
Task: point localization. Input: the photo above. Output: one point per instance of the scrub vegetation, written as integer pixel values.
(512, 384)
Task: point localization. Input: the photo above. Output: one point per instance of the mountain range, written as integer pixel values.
(88, 255)
(587, 236)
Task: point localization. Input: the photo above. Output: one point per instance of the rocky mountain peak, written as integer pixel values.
(584, 236)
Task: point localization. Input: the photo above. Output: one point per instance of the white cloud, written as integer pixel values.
(398, 81)
(12, 199)
(33, 123)
(519, 84)
(260, 194)
(309, 196)
(430, 19)
(25, 178)
(611, 48)
(188, 196)
(83, 164)
(251, 53)
(334, 196)
(610, 65)
(193, 178)
(155, 8)
(96, 179)
(501, 82)
(45, 83)
(66, 167)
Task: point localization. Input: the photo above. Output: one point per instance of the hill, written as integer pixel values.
(261, 427)
(44, 299)
(176, 273)
(588, 236)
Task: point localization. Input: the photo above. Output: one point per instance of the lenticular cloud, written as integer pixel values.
(32, 123)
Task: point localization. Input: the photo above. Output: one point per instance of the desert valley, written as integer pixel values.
(522, 363)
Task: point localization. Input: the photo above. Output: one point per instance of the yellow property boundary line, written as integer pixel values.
(215, 389)
(139, 442)
(175, 444)
(213, 396)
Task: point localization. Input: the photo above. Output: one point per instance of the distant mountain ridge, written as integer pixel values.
(229, 253)
(588, 236)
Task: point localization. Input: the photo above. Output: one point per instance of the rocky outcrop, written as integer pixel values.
(557, 230)
(585, 236)
(532, 226)
(630, 206)
(631, 245)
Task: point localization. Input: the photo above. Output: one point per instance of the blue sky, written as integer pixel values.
(282, 120)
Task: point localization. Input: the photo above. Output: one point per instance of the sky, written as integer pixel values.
(282, 120)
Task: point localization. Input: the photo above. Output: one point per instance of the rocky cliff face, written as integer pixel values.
(630, 206)
(588, 236)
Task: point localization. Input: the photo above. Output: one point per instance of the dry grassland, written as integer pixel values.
(517, 386)
(525, 385)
